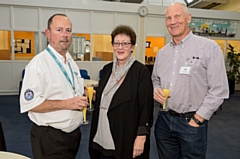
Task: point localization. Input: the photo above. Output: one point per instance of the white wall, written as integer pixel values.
(93, 17)
(161, 2)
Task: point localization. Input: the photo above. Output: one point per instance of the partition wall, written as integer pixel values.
(23, 24)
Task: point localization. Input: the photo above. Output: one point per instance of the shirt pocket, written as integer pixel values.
(194, 64)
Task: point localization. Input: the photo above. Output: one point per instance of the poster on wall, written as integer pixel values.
(216, 28)
(22, 46)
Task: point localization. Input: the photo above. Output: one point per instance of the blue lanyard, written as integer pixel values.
(62, 68)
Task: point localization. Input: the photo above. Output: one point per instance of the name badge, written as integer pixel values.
(185, 70)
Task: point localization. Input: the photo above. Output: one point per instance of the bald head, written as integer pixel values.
(177, 20)
(181, 5)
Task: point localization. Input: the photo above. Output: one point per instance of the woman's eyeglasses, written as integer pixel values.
(124, 44)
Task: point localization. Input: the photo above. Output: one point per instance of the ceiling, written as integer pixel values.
(233, 5)
(161, 2)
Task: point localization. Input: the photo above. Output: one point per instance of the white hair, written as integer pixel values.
(185, 8)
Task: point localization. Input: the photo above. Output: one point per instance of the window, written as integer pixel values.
(153, 45)
(222, 44)
(102, 48)
(235, 44)
(5, 45)
(24, 45)
(86, 55)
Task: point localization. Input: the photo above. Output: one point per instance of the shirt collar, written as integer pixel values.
(60, 57)
(184, 40)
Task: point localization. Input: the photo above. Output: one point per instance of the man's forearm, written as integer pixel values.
(49, 106)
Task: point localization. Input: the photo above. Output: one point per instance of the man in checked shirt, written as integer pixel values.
(193, 69)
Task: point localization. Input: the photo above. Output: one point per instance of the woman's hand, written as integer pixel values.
(138, 146)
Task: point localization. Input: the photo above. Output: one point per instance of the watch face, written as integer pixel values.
(143, 11)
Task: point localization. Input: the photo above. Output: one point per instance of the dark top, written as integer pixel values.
(130, 112)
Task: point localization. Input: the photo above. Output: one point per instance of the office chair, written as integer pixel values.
(84, 74)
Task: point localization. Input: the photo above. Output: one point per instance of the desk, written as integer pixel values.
(11, 155)
(90, 83)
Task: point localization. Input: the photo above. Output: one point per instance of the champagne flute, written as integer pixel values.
(84, 111)
(85, 121)
(90, 96)
(166, 91)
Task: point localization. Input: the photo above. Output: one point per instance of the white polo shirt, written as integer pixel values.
(45, 80)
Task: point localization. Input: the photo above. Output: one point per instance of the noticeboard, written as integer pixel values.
(211, 27)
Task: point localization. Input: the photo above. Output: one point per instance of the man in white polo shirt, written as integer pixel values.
(52, 94)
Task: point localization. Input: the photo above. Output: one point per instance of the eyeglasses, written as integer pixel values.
(124, 44)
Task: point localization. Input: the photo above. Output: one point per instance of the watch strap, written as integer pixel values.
(196, 120)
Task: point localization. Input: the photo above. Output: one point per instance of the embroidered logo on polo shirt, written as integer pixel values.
(28, 94)
(76, 74)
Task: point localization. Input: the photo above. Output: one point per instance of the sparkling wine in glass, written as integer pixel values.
(90, 96)
(166, 92)
(85, 121)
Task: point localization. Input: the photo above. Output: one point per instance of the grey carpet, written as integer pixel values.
(223, 134)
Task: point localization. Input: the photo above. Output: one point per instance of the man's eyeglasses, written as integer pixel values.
(124, 44)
